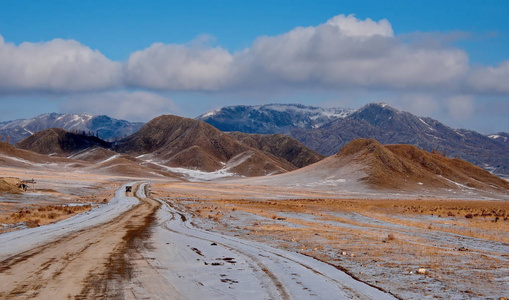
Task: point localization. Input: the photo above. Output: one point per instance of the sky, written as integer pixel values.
(136, 60)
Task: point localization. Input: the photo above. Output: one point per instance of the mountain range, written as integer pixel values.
(323, 130)
(172, 143)
(272, 118)
(376, 120)
(102, 126)
(177, 148)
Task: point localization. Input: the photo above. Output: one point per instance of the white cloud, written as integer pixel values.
(135, 106)
(179, 67)
(460, 107)
(418, 104)
(344, 53)
(490, 79)
(351, 26)
(349, 53)
(55, 66)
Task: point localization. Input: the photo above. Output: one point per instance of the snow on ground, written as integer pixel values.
(207, 265)
(22, 240)
(196, 175)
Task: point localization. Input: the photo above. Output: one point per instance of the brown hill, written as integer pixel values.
(125, 165)
(182, 142)
(281, 146)
(405, 166)
(60, 142)
(365, 165)
(94, 154)
(14, 157)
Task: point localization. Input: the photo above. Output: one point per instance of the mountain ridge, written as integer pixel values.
(387, 125)
(103, 126)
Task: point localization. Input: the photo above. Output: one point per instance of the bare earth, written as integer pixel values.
(239, 241)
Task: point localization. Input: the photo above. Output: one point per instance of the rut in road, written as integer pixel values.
(90, 263)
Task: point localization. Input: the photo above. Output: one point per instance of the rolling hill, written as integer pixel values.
(187, 143)
(57, 141)
(102, 126)
(366, 165)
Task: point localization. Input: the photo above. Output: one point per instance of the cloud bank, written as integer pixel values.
(342, 53)
(134, 106)
(55, 66)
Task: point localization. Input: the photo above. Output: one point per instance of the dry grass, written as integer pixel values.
(380, 238)
(33, 217)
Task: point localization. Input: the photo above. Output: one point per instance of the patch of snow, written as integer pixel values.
(194, 260)
(426, 124)
(457, 132)
(196, 175)
(457, 183)
(18, 159)
(496, 137)
(109, 158)
(238, 159)
(210, 113)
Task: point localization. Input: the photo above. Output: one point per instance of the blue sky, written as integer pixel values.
(186, 57)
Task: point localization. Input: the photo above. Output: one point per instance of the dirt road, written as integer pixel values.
(90, 263)
(153, 251)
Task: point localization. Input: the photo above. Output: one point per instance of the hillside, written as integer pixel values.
(59, 142)
(15, 157)
(365, 165)
(271, 118)
(281, 146)
(405, 166)
(182, 142)
(103, 126)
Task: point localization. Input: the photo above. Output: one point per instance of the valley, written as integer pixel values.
(182, 210)
(238, 238)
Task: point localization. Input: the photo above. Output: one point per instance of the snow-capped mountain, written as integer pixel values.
(271, 118)
(327, 132)
(105, 127)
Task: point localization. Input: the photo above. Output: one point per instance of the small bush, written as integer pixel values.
(32, 223)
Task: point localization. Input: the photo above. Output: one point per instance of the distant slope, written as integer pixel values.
(104, 127)
(405, 166)
(60, 142)
(271, 118)
(182, 142)
(391, 126)
(281, 146)
(20, 158)
(365, 164)
(375, 120)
